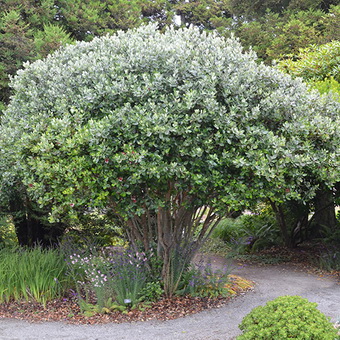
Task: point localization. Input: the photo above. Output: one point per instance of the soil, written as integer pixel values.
(180, 318)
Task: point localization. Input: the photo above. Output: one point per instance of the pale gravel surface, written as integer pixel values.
(216, 324)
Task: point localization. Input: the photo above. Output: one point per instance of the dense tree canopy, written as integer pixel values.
(206, 14)
(31, 29)
(273, 36)
(166, 131)
(257, 8)
(24, 36)
(319, 67)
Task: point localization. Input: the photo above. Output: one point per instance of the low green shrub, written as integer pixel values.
(152, 291)
(287, 317)
(329, 259)
(215, 246)
(326, 86)
(201, 280)
(249, 232)
(228, 229)
(89, 309)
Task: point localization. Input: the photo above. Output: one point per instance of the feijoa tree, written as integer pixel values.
(168, 132)
(318, 65)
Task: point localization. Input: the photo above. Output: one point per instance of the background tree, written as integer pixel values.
(89, 18)
(315, 64)
(166, 131)
(28, 30)
(50, 39)
(207, 14)
(273, 36)
(288, 26)
(258, 8)
(35, 14)
(16, 44)
(319, 66)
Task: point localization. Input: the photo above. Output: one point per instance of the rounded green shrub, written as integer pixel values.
(287, 317)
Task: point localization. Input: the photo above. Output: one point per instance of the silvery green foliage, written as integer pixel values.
(120, 119)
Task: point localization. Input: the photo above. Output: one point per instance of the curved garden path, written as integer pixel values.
(215, 324)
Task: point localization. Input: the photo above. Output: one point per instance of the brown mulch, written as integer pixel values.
(67, 308)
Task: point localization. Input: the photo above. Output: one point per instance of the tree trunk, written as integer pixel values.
(179, 229)
(292, 218)
(281, 221)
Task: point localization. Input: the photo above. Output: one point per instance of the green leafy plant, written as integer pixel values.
(8, 237)
(32, 274)
(129, 274)
(151, 292)
(233, 233)
(249, 232)
(329, 256)
(329, 259)
(215, 246)
(118, 276)
(261, 229)
(228, 229)
(96, 229)
(287, 317)
(329, 85)
(203, 281)
(89, 309)
(315, 63)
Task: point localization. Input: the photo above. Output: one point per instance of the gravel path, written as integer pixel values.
(216, 324)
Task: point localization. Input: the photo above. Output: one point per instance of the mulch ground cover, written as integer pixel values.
(67, 308)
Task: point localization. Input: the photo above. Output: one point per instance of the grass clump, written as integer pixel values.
(31, 274)
(287, 317)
